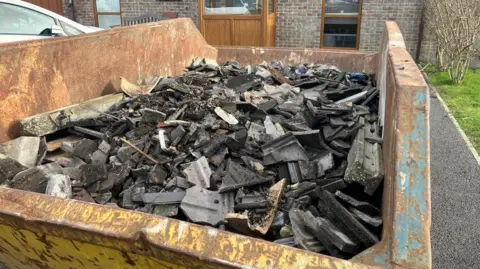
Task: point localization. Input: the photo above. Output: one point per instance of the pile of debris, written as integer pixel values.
(289, 154)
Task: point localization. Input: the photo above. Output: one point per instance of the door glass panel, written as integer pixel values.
(107, 21)
(340, 32)
(247, 7)
(347, 7)
(108, 5)
(24, 21)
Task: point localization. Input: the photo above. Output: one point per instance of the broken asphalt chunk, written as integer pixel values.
(9, 168)
(59, 186)
(157, 175)
(36, 178)
(285, 148)
(348, 220)
(294, 172)
(24, 150)
(237, 140)
(305, 239)
(198, 173)
(332, 185)
(375, 221)
(161, 198)
(365, 164)
(308, 170)
(102, 198)
(360, 205)
(92, 173)
(152, 116)
(238, 176)
(52, 121)
(204, 206)
(80, 148)
(328, 234)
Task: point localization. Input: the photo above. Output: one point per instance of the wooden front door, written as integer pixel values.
(52, 5)
(238, 22)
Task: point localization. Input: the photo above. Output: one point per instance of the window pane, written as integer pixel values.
(20, 20)
(70, 30)
(252, 7)
(342, 6)
(340, 32)
(108, 5)
(107, 21)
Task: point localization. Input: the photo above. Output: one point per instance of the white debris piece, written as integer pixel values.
(161, 138)
(59, 186)
(270, 128)
(225, 116)
(326, 161)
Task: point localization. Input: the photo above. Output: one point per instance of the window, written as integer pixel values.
(252, 7)
(70, 30)
(23, 21)
(341, 23)
(108, 13)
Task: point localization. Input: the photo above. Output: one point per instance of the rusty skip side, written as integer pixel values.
(406, 199)
(43, 75)
(39, 231)
(346, 60)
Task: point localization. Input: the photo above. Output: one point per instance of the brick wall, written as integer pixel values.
(84, 12)
(407, 14)
(298, 23)
(185, 8)
(428, 50)
(133, 8)
(67, 9)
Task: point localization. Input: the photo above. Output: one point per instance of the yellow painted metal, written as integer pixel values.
(21, 248)
(39, 231)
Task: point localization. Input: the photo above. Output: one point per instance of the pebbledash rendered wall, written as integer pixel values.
(298, 21)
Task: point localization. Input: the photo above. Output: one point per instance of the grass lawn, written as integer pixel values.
(463, 101)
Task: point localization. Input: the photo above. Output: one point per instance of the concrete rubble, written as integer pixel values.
(290, 154)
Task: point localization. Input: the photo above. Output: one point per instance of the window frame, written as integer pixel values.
(339, 15)
(95, 13)
(46, 15)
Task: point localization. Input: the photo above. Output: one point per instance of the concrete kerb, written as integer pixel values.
(455, 122)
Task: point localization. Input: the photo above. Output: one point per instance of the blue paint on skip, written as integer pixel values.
(381, 259)
(411, 184)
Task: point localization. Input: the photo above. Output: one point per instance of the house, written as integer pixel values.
(343, 24)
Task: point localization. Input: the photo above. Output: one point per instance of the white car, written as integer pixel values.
(20, 21)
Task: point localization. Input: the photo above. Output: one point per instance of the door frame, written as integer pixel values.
(263, 17)
(95, 13)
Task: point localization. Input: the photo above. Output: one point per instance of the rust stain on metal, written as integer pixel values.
(75, 227)
(345, 60)
(406, 198)
(43, 75)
